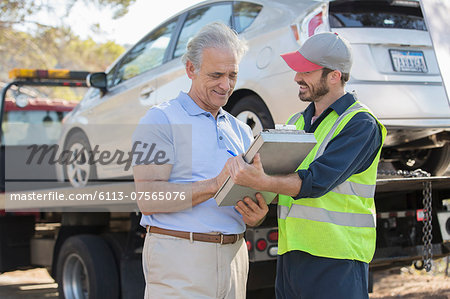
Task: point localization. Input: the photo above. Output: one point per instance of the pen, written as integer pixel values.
(231, 153)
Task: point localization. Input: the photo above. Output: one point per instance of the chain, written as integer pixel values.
(404, 173)
(427, 226)
(427, 207)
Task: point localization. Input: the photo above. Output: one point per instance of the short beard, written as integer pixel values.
(316, 91)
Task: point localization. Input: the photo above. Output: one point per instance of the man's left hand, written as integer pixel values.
(252, 213)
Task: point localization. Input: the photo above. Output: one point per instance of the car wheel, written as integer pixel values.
(252, 111)
(435, 161)
(86, 269)
(77, 168)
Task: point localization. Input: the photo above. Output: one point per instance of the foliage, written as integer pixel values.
(54, 48)
(17, 11)
(48, 47)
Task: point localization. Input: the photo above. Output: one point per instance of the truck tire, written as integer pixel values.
(86, 269)
(435, 161)
(252, 111)
(79, 171)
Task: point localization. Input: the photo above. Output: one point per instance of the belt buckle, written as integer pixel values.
(221, 239)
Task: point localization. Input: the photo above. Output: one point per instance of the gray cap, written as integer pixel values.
(321, 50)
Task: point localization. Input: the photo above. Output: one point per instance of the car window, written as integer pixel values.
(244, 14)
(375, 14)
(146, 55)
(110, 77)
(198, 18)
(28, 127)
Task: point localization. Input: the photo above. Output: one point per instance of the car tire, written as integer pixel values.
(77, 169)
(435, 161)
(86, 269)
(252, 111)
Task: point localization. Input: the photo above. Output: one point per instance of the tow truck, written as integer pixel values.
(98, 254)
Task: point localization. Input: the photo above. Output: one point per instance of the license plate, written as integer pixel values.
(408, 61)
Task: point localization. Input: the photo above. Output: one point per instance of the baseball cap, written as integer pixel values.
(321, 50)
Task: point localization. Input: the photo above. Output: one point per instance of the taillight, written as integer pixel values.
(273, 236)
(261, 244)
(249, 245)
(420, 215)
(294, 29)
(273, 251)
(314, 23)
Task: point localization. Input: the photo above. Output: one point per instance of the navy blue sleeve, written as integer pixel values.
(351, 151)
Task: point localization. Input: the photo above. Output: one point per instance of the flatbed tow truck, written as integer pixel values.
(93, 249)
(77, 246)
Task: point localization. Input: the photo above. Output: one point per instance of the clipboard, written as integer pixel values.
(281, 152)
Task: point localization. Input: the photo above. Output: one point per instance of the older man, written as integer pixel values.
(193, 248)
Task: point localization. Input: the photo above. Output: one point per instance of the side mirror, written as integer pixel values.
(97, 80)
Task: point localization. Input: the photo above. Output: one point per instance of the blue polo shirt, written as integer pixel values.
(196, 145)
(351, 151)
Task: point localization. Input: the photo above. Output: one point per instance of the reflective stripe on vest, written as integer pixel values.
(282, 211)
(351, 188)
(323, 215)
(294, 118)
(340, 224)
(347, 187)
(330, 134)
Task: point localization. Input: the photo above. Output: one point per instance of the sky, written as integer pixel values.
(142, 16)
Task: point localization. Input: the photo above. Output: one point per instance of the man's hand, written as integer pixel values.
(252, 213)
(244, 174)
(253, 176)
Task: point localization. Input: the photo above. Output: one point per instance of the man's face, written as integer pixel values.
(312, 85)
(213, 84)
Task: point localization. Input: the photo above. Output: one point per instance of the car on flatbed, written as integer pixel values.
(395, 73)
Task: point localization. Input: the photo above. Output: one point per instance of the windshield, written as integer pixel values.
(28, 127)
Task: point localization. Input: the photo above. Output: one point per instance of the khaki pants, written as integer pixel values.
(176, 268)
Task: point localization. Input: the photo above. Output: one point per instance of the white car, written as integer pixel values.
(395, 73)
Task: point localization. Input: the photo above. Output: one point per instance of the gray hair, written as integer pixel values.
(214, 35)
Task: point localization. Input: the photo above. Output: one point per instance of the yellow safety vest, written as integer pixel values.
(342, 223)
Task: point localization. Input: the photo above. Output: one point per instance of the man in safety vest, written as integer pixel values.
(326, 210)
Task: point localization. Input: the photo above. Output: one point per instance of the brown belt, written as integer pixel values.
(219, 238)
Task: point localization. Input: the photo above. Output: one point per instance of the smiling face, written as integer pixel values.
(213, 84)
(312, 85)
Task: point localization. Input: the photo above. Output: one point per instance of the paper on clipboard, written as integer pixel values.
(281, 152)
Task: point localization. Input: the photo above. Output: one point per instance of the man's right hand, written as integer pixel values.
(250, 175)
(253, 176)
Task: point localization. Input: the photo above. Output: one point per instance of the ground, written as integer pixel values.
(401, 283)
(27, 284)
(410, 285)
